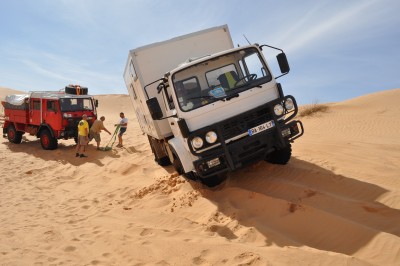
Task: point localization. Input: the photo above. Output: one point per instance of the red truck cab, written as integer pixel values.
(47, 115)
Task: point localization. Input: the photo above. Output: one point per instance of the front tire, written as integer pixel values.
(211, 181)
(281, 156)
(177, 164)
(47, 141)
(13, 135)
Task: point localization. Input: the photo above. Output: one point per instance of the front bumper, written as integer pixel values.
(233, 151)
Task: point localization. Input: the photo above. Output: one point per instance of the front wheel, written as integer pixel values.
(214, 180)
(281, 156)
(13, 135)
(47, 140)
(177, 164)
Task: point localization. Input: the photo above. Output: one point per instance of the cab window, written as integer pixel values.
(36, 105)
(51, 106)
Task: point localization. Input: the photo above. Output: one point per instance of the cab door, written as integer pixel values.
(52, 114)
(34, 112)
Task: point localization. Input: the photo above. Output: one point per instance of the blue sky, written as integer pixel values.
(336, 49)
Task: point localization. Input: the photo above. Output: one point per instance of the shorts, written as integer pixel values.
(82, 140)
(121, 131)
(95, 136)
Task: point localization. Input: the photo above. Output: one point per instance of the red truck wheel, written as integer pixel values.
(13, 135)
(47, 140)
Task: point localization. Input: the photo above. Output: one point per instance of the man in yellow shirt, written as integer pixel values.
(83, 136)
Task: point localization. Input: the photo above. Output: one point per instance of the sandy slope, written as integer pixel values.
(336, 203)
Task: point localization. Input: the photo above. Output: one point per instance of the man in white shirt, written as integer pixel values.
(123, 125)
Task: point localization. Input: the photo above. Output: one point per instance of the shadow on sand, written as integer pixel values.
(303, 204)
(65, 153)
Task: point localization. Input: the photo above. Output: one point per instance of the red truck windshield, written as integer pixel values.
(76, 104)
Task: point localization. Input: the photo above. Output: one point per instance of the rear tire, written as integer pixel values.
(280, 156)
(13, 135)
(47, 141)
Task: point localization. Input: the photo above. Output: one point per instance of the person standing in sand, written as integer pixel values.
(123, 125)
(95, 130)
(83, 136)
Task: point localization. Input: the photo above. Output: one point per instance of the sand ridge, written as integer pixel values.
(336, 203)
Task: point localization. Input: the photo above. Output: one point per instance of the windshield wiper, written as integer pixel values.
(231, 96)
(201, 97)
(226, 98)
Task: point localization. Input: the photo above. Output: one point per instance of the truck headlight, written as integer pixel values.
(289, 105)
(278, 109)
(211, 137)
(197, 142)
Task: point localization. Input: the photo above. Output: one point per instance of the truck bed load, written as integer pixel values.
(149, 63)
(16, 101)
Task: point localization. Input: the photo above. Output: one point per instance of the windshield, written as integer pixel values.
(219, 78)
(76, 104)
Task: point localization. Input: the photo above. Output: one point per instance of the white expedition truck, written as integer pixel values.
(209, 108)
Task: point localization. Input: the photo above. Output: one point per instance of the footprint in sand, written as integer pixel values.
(199, 260)
(147, 232)
(70, 249)
(247, 258)
(223, 231)
(9, 234)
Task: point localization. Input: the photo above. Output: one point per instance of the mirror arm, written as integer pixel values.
(271, 47)
(145, 87)
(281, 75)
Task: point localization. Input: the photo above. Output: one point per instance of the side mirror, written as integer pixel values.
(154, 108)
(96, 103)
(283, 63)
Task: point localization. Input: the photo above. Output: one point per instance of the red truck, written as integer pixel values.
(48, 115)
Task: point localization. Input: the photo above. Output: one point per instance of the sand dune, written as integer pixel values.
(336, 203)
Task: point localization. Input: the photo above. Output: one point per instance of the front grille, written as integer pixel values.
(240, 124)
(73, 122)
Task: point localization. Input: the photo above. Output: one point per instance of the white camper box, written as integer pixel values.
(149, 63)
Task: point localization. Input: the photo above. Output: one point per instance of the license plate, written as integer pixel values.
(261, 128)
(213, 162)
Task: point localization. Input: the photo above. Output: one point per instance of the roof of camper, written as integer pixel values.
(185, 36)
